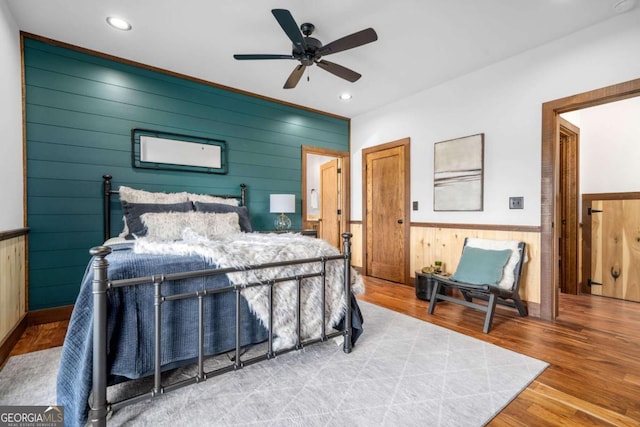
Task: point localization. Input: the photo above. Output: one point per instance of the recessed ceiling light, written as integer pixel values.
(118, 23)
(345, 96)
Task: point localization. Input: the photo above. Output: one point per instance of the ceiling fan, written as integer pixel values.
(309, 50)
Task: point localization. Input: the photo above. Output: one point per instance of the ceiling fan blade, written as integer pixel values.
(294, 77)
(288, 24)
(262, 56)
(339, 70)
(349, 42)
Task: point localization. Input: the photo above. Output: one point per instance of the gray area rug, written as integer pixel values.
(402, 372)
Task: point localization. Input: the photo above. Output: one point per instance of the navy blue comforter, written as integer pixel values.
(130, 340)
(130, 336)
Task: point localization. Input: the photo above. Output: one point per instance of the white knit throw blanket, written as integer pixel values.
(243, 249)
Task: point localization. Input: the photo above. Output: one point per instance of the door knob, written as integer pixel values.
(400, 221)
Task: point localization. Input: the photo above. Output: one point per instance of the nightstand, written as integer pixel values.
(309, 232)
(424, 286)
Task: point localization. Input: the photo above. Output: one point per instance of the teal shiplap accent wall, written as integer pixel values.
(80, 110)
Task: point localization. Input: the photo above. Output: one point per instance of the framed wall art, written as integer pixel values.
(458, 174)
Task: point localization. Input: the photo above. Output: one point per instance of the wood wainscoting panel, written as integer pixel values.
(429, 244)
(12, 283)
(356, 244)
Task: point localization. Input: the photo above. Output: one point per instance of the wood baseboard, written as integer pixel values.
(12, 338)
(49, 315)
(533, 308)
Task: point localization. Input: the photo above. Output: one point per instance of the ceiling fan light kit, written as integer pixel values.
(309, 50)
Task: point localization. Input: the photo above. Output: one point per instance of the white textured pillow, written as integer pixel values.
(508, 276)
(205, 198)
(169, 225)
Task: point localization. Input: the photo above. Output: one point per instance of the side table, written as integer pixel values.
(308, 232)
(424, 285)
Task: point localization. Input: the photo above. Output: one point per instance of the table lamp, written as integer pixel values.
(282, 203)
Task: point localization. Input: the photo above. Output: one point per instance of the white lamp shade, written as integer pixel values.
(282, 203)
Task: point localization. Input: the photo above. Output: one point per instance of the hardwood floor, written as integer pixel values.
(41, 337)
(593, 350)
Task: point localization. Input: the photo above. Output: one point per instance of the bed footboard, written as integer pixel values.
(100, 407)
(98, 404)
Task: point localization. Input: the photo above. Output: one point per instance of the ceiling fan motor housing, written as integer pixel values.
(308, 55)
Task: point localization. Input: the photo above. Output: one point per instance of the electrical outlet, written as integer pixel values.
(516, 202)
(415, 205)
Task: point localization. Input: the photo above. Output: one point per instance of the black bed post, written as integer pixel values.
(98, 402)
(347, 292)
(243, 194)
(106, 192)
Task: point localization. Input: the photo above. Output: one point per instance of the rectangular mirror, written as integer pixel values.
(163, 150)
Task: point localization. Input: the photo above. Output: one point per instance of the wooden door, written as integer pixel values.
(568, 207)
(386, 182)
(330, 202)
(615, 249)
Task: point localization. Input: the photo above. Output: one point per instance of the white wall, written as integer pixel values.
(609, 146)
(503, 101)
(11, 177)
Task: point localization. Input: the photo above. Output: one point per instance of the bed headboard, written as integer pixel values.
(107, 192)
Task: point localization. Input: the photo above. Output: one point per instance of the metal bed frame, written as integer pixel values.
(100, 407)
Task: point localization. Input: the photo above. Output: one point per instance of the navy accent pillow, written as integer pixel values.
(133, 211)
(481, 266)
(242, 211)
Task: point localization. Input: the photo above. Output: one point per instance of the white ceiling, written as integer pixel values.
(421, 43)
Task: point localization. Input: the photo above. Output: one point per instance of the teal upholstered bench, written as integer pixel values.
(488, 270)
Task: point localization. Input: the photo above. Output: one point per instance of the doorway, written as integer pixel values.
(329, 203)
(326, 193)
(550, 212)
(568, 193)
(386, 190)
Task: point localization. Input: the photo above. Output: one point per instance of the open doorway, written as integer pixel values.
(325, 192)
(568, 195)
(550, 206)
